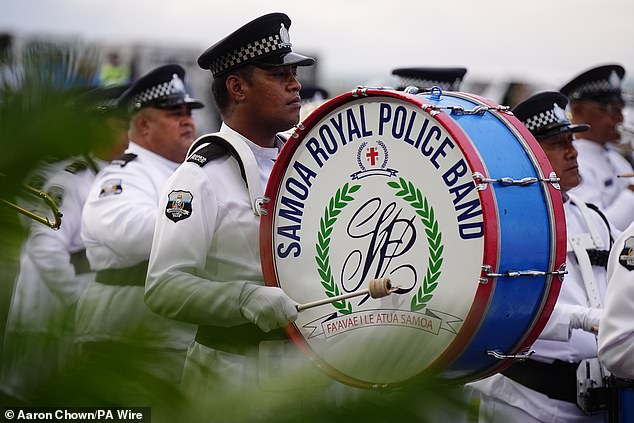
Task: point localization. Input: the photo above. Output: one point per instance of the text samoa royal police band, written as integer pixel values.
(392, 123)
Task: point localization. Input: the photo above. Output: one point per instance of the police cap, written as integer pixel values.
(264, 42)
(448, 79)
(544, 114)
(602, 84)
(162, 87)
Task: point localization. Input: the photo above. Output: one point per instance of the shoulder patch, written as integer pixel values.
(179, 205)
(76, 167)
(124, 160)
(626, 257)
(110, 187)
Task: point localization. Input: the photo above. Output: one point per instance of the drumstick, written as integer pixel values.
(625, 175)
(377, 288)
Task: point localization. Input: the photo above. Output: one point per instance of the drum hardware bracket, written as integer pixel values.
(486, 270)
(259, 205)
(521, 356)
(478, 110)
(362, 91)
(481, 181)
(299, 127)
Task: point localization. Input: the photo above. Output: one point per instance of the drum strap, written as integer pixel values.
(587, 274)
(585, 212)
(234, 145)
(579, 244)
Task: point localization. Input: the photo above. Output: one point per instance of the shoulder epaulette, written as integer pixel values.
(76, 167)
(217, 147)
(124, 160)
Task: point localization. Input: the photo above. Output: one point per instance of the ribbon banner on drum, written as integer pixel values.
(414, 188)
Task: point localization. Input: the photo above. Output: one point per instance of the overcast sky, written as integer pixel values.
(548, 41)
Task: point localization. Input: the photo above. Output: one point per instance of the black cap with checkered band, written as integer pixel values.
(162, 87)
(263, 41)
(544, 114)
(602, 84)
(448, 79)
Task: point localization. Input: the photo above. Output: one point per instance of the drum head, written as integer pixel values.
(379, 186)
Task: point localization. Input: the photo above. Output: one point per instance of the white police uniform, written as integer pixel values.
(598, 164)
(616, 332)
(201, 260)
(117, 228)
(53, 273)
(598, 167)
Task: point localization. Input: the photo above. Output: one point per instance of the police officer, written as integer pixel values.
(205, 261)
(112, 320)
(616, 346)
(543, 388)
(423, 78)
(54, 270)
(596, 99)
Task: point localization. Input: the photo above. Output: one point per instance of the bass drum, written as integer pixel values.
(449, 196)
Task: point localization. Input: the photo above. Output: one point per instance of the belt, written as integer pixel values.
(236, 339)
(80, 262)
(128, 276)
(557, 380)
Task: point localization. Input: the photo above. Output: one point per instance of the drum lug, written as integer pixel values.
(521, 356)
(360, 91)
(259, 205)
(431, 109)
(484, 279)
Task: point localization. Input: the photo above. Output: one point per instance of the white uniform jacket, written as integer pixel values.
(616, 331)
(53, 272)
(200, 263)
(579, 346)
(117, 228)
(598, 167)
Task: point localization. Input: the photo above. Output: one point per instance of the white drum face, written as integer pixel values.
(378, 188)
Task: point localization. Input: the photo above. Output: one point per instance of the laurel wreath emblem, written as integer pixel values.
(414, 196)
(410, 194)
(341, 198)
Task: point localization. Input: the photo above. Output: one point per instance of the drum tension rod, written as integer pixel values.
(460, 111)
(521, 356)
(481, 181)
(486, 273)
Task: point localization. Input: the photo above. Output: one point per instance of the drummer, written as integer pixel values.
(205, 262)
(543, 388)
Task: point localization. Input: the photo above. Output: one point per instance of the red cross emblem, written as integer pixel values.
(372, 155)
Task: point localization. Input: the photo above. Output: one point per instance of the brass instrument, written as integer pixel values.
(55, 224)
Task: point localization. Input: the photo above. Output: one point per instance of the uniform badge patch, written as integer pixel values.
(110, 187)
(626, 258)
(179, 205)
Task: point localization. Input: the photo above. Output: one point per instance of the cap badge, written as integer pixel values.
(286, 39)
(176, 84)
(560, 114)
(615, 81)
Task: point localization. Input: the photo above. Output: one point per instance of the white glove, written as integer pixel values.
(585, 318)
(266, 306)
